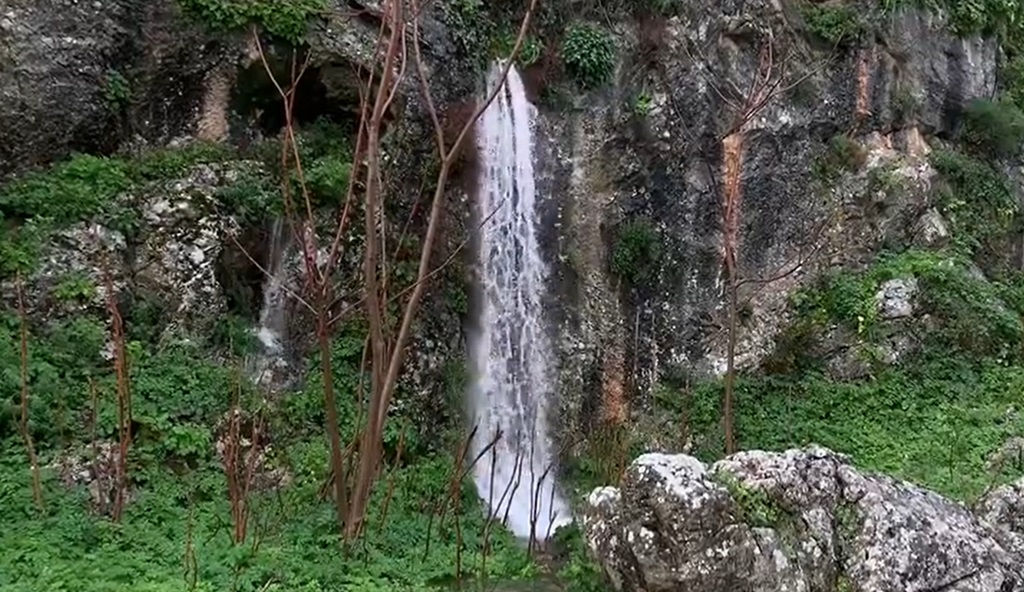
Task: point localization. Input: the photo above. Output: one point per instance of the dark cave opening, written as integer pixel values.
(322, 92)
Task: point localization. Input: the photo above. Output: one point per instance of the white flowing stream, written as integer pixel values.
(511, 355)
(269, 365)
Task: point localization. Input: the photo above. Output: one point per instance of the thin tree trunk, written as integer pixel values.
(33, 462)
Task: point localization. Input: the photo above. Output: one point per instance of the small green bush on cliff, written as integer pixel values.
(589, 54)
(995, 128)
(979, 205)
(636, 251)
(838, 25)
(288, 20)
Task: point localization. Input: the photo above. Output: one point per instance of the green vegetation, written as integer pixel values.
(287, 20)
(94, 188)
(1012, 75)
(970, 316)
(961, 412)
(82, 188)
(529, 54)
(116, 90)
(994, 128)
(979, 205)
(838, 25)
(579, 572)
(844, 155)
(1001, 18)
(643, 104)
(177, 530)
(636, 251)
(588, 53)
(180, 511)
(756, 507)
(469, 26)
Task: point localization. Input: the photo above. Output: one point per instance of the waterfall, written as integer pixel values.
(510, 352)
(269, 366)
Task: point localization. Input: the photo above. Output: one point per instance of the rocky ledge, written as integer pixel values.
(800, 520)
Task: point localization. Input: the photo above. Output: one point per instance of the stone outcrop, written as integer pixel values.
(800, 520)
(86, 76)
(169, 258)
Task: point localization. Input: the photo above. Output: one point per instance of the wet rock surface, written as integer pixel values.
(797, 520)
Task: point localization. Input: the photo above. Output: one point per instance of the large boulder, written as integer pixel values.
(797, 520)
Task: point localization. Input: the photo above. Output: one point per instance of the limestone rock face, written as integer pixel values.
(77, 75)
(607, 165)
(170, 257)
(800, 520)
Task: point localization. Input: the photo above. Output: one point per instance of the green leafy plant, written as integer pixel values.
(589, 54)
(286, 20)
(838, 25)
(643, 104)
(995, 128)
(116, 89)
(978, 202)
(756, 507)
(74, 287)
(579, 572)
(636, 251)
(469, 27)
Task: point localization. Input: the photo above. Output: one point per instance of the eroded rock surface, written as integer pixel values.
(177, 234)
(800, 520)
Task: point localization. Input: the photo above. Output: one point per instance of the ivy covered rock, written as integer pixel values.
(156, 244)
(796, 520)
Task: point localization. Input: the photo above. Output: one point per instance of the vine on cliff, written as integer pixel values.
(286, 20)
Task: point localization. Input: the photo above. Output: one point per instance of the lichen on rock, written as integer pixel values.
(669, 526)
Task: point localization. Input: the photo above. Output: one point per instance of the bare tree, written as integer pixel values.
(768, 82)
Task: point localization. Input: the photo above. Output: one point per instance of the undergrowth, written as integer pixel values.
(179, 397)
(935, 423)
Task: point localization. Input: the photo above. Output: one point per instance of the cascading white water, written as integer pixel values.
(510, 353)
(270, 364)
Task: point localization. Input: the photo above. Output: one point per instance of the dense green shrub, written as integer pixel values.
(636, 251)
(469, 27)
(968, 314)
(979, 204)
(995, 128)
(1013, 80)
(838, 25)
(80, 188)
(287, 20)
(588, 53)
